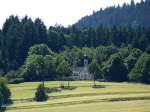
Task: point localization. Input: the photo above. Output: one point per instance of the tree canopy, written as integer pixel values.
(133, 14)
(141, 70)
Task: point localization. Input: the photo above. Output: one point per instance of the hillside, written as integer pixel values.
(128, 14)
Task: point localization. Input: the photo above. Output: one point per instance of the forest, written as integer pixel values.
(133, 14)
(121, 53)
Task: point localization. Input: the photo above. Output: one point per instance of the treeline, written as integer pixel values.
(18, 37)
(107, 63)
(112, 63)
(133, 14)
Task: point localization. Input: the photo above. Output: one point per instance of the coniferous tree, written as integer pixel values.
(133, 14)
(40, 94)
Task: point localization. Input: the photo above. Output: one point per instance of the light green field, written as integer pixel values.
(110, 97)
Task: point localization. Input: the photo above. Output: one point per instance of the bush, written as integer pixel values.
(16, 80)
(5, 91)
(1, 100)
(14, 77)
(40, 94)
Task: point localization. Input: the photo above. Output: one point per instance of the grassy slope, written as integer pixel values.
(83, 98)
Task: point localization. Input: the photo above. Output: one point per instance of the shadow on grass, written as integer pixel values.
(99, 86)
(52, 90)
(9, 102)
(2, 109)
(69, 88)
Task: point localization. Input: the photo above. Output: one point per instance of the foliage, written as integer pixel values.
(64, 68)
(128, 14)
(38, 68)
(141, 70)
(132, 58)
(5, 91)
(40, 49)
(1, 100)
(16, 80)
(103, 53)
(39, 64)
(37, 51)
(94, 68)
(26, 33)
(35, 68)
(72, 55)
(40, 94)
(15, 76)
(114, 69)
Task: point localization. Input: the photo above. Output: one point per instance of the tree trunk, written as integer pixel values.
(43, 83)
(94, 80)
(61, 84)
(68, 84)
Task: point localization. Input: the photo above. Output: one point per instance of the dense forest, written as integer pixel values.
(133, 14)
(31, 52)
(27, 46)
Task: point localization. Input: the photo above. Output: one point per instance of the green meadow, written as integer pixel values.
(81, 97)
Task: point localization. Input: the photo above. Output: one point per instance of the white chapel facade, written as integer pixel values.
(81, 73)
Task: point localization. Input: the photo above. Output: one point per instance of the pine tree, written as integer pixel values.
(40, 94)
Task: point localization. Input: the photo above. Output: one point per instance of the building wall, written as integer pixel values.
(81, 74)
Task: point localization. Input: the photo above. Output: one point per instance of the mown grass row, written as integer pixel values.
(79, 102)
(123, 106)
(82, 98)
(27, 90)
(81, 94)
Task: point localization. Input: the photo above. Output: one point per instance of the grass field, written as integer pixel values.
(110, 97)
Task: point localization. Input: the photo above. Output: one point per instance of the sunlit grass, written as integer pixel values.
(82, 98)
(27, 90)
(129, 106)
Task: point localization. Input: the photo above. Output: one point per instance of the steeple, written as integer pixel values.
(85, 60)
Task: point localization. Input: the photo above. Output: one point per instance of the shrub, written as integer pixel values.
(14, 77)
(5, 91)
(40, 94)
(16, 80)
(1, 100)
